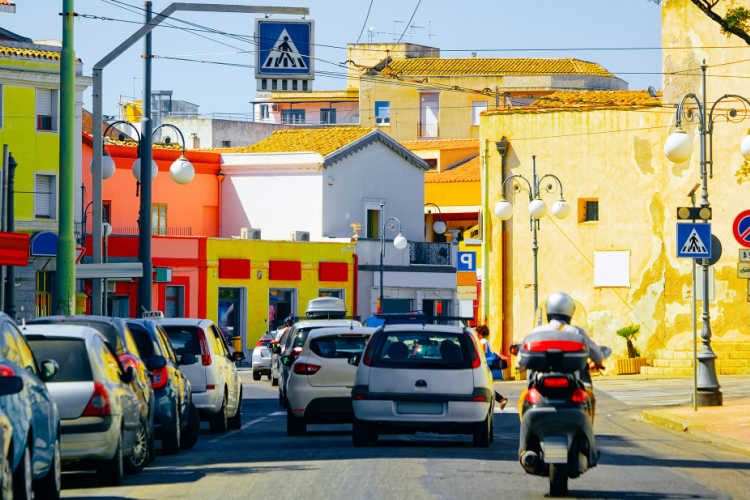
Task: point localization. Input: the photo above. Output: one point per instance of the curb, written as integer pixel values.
(676, 425)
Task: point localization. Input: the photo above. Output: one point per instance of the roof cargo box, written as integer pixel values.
(553, 350)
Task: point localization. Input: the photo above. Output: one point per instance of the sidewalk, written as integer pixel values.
(727, 426)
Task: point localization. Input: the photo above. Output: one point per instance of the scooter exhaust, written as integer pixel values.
(529, 461)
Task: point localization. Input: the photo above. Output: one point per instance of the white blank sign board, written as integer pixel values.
(612, 268)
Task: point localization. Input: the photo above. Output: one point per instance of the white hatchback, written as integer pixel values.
(422, 377)
(321, 379)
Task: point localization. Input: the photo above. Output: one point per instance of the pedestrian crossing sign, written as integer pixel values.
(285, 49)
(694, 240)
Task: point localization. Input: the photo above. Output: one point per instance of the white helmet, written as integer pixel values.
(561, 303)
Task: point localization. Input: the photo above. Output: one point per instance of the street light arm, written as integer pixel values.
(681, 106)
(557, 179)
(720, 99)
(179, 132)
(390, 222)
(135, 129)
(515, 177)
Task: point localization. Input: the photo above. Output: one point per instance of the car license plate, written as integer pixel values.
(415, 408)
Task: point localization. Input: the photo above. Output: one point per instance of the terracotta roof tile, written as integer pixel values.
(581, 100)
(441, 144)
(320, 140)
(466, 172)
(433, 66)
(29, 53)
(7, 6)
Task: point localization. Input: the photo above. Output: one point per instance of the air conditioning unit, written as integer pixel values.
(253, 233)
(300, 236)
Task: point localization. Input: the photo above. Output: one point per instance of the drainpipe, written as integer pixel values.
(355, 296)
(485, 242)
(220, 176)
(10, 283)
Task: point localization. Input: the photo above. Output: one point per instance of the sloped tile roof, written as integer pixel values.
(320, 140)
(29, 53)
(441, 144)
(465, 172)
(7, 6)
(432, 66)
(582, 100)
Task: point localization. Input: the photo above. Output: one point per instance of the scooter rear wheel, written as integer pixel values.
(558, 480)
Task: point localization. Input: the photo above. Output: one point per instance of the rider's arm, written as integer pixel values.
(595, 353)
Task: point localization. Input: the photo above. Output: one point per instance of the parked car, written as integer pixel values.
(36, 421)
(422, 377)
(217, 389)
(8, 385)
(262, 357)
(279, 340)
(176, 420)
(120, 340)
(102, 424)
(321, 379)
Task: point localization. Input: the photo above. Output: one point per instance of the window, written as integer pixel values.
(382, 113)
(264, 84)
(328, 116)
(71, 356)
(476, 109)
(331, 292)
(292, 116)
(107, 211)
(431, 162)
(226, 144)
(174, 302)
(45, 196)
(373, 223)
(264, 111)
(46, 109)
(274, 84)
(294, 84)
(304, 85)
(1, 106)
(612, 268)
(159, 219)
(429, 109)
(283, 84)
(339, 346)
(425, 349)
(588, 210)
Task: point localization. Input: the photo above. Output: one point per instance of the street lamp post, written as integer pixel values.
(537, 210)
(677, 148)
(181, 171)
(438, 226)
(399, 242)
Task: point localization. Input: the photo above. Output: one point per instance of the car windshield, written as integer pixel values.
(184, 339)
(70, 354)
(424, 349)
(339, 346)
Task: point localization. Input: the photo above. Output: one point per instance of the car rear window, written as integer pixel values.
(425, 349)
(109, 331)
(147, 346)
(70, 354)
(184, 339)
(339, 346)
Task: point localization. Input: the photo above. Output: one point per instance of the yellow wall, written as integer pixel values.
(447, 194)
(362, 56)
(260, 252)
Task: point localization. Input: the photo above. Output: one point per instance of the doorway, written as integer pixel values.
(232, 313)
(282, 303)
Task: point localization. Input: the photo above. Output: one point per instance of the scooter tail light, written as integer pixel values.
(555, 382)
(98, 405)
(159, 378)
(533, 396)
(205, 352)
(579, 396)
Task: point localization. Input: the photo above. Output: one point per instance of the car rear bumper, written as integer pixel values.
(326, 404)
(445, 412)
(262, 364)
(88, 438)
(208, 401)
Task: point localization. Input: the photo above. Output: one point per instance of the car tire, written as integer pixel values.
(295, 426)
(481, 437)
(22, 489)
(113, 470)
(6, 477)
(137, 460)
(256, 375)
(192, 429)
(171, 439)
(219, 420)
(274, 381)
(492, 427)
(49, 486)
(235, 421)
(363, 433)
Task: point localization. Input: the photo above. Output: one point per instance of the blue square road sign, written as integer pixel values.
(693, 240)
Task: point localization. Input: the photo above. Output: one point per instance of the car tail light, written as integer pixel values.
(360, 397)
(533, 396)
(579, 396)
(99, 403)
(477, 361)
(555, 382)
(205, 351)
(210, 387)
(367, 355)
(159, 378)
(305, 369)
(6, 371)
(481, 399)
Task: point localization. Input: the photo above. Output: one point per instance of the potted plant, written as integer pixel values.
(634, 362)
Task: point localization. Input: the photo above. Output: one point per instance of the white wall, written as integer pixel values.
(373, 173)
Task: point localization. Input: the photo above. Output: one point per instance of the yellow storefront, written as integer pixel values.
(253, 285)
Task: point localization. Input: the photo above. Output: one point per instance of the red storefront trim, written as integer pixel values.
(238, 269)
(285, 270)
(333, 271)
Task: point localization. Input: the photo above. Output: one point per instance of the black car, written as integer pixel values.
(176, 420)
(121, 342)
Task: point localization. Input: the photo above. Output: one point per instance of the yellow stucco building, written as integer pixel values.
(616, 252)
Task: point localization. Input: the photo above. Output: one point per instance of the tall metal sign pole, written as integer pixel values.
(65, 279)
(98, 74)
(144, 224)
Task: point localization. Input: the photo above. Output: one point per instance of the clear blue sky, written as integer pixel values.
(470, 25)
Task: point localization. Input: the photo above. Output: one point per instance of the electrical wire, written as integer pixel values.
(367, 16)
(413, 13)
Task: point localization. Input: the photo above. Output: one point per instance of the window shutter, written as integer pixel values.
(44, 196)
(44, 102)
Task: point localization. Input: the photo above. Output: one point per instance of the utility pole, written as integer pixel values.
(65, 278)
(10, 283)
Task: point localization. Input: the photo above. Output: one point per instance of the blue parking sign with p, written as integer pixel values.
(467, 261)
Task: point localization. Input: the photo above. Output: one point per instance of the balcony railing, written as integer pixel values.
(436, 254)
(171, 230)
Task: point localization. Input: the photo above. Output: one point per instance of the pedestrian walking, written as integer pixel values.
(483, 332)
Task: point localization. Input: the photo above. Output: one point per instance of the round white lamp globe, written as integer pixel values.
(560, 209)
(678, 147)
(439, 227)
(503, 210)
(137, 169)
(182, 171)
(400, 242)
(745, 147)
(537, 208)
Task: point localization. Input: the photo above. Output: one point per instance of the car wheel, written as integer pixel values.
(192, 429)
(492, 427)
(219, 420)
(482, 433)
(171, 440)
(363, 433)
(50, 485)
(235, 422)
(274, 381)
(22, 477)
(256, 375)
(137, 460)
(558, 480)
(6, 477)
(113, 470)
(295, 426)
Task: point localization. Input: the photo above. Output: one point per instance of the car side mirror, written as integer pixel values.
(156, 363)
(128, 375)
(49, 368)
(10, 385)
(498, 397)
(187, 359)
(238, 356)
(354, 360)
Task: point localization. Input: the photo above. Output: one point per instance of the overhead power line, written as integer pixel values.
(408, 23)
(364, 24)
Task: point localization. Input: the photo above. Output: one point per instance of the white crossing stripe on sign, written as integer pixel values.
(694, 244)
(284, 54)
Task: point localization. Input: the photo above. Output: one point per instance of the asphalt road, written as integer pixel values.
(638, 461)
